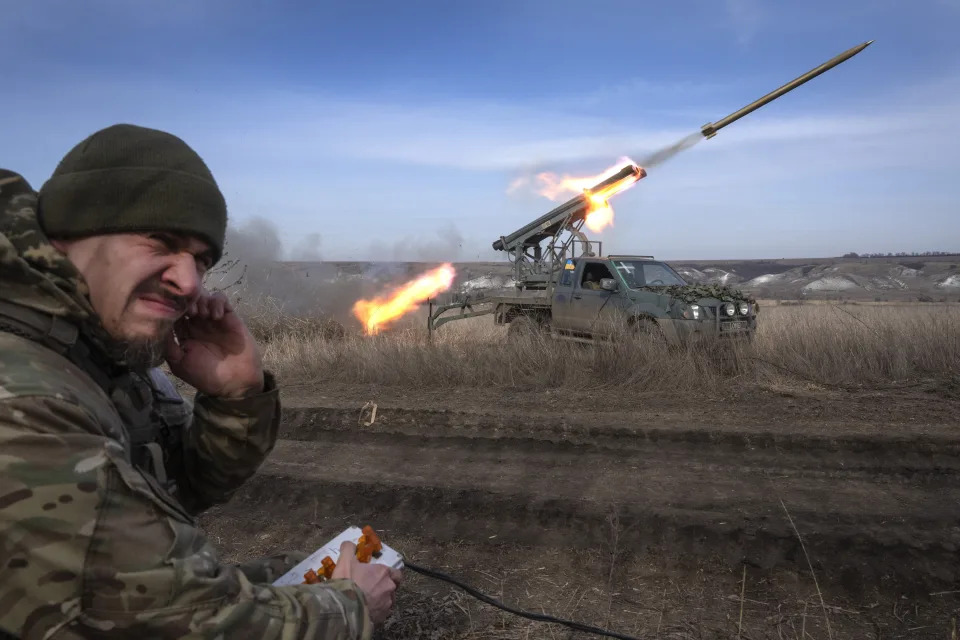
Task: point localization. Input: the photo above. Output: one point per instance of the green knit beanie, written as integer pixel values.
(130, 179)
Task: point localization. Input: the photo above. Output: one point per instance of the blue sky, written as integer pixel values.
(393, 130)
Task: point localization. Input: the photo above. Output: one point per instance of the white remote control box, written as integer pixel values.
(387, 557)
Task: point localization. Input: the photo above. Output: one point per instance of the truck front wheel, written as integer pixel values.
(648, 329)
(525, 327)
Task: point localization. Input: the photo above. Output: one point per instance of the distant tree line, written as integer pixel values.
(901, 254)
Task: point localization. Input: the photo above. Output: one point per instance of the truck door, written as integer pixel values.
(590, 302)
(562, 303)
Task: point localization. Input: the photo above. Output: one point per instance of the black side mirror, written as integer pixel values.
(608, 284)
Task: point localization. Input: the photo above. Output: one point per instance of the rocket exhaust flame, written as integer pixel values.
(379, 312)
(600, 214)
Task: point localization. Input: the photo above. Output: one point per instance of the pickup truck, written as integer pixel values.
(608, 297)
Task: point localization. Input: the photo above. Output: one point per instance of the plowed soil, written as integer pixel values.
(772, 512)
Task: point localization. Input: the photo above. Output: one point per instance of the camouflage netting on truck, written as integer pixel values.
(693, 292)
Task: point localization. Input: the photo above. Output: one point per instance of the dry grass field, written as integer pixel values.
(804, 485)
(829, 344)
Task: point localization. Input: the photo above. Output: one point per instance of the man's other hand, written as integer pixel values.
(378, 582)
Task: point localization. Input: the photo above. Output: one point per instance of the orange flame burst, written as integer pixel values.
(599, 214)
(382, 310)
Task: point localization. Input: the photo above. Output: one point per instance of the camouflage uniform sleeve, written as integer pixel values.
(91, 547)
(270, 568)
(226, 443)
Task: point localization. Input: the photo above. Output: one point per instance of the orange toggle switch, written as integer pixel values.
(364, 551)
(368, 545)
(373, 539)
(328, 567)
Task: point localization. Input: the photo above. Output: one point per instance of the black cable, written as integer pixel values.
(436, 575)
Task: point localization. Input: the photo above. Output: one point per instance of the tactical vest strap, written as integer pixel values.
(49, 329)
(56, 333)
(156, 457)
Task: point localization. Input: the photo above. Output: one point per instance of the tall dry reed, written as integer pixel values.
(845, 346)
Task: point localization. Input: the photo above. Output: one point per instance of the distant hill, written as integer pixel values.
(885, 278)
(891, 278)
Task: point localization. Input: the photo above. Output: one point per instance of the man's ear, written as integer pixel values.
(59, 245)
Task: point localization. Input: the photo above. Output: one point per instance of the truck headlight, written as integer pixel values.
(729, 309)
(744, 308)
(692, 312)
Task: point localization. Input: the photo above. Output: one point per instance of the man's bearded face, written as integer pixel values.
(140, 286)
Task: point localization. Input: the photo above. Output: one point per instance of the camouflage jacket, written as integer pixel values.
(90, 544)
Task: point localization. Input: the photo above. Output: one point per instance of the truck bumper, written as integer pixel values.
(682, 330)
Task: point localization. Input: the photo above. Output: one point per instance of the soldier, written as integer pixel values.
(591, 281)
(103, 468)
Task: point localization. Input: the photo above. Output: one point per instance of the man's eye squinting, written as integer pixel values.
(163, 239)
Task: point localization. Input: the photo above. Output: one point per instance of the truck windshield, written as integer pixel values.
(642, 273)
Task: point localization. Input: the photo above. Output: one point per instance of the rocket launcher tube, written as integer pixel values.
(577, 204)
(573, 210)
(628, 171)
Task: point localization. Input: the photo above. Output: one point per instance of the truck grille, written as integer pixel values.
(719, 318)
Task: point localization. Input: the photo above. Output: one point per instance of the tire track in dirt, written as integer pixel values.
(624, 430)
(895, 466)
(866, 507)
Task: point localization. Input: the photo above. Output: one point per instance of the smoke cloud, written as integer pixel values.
(308, 249)
(444, 245)
(261, 278)
(253, 274)
(659, 157)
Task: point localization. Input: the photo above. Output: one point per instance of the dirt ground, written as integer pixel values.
(777, 512)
